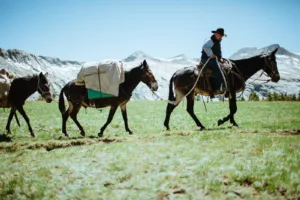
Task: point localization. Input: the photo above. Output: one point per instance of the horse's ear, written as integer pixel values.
(41, 74)
(145, 64)
(274, 52)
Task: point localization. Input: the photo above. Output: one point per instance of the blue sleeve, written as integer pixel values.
(207, 48)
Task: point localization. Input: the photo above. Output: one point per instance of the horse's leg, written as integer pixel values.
(11, 114)
(112, 112)
(65, 117)
(124, 114)
(169, 110)
(23, 113)
(171, 107)
(73, 115)
(190, 110)
(232, 108)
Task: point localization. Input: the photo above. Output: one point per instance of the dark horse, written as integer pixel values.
(23, 87)
(184, 79)
(76, 97)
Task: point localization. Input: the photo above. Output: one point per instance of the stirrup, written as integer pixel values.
(222, 89)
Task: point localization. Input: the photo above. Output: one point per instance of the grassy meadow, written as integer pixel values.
(258, 160)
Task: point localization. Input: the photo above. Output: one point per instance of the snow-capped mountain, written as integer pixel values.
(162, 68)
(21, 64)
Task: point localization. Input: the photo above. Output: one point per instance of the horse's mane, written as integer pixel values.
(27, 78)
(247, 59)
(132, 68)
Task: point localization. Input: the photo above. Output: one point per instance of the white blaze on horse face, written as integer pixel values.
(154, 86)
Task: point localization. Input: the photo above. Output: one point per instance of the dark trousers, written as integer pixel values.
(218, 78)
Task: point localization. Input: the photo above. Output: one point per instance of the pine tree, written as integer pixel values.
(275, 96)
(281, 97)
(253, 96)
(269, 96)
(286, 97)
(294, 98)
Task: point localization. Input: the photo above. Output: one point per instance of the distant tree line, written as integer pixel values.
(275, 96)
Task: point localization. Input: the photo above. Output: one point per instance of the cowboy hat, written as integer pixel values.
(220, 31)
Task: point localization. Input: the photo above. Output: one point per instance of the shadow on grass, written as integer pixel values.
(217, 128)
(194, 131)
(289, 132)
(64, 138)
(57, 144)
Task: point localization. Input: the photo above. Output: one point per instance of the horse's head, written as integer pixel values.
(271, 66)
(148, 77)
(43, 87)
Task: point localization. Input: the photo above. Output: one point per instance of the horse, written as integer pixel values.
(23, 87)
(184, 79)
(76, 98)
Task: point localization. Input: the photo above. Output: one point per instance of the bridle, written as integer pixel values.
(267, 65)
(41, 91)
(144, 77)
(270, 66)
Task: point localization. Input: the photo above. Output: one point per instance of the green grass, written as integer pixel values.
(259, 160)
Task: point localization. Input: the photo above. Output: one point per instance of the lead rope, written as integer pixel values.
(223, 76)
(177, 102)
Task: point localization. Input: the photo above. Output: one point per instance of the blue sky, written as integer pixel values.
(91, 30)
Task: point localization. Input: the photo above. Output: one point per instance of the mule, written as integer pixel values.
(184, 79)
(23, 87)
(76, 96)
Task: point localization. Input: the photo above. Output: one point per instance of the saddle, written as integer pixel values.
(208, 75)
(226, 67)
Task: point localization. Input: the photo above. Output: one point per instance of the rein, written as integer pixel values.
(43, 92)
(264, 73)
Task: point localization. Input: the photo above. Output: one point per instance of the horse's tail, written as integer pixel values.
(61, 101)
(171, 93)
(17, 119)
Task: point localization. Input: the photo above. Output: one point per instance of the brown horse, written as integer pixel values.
(76, 97)
(184, 79)
(23, 87)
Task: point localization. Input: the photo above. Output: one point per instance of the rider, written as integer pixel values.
(212, 49)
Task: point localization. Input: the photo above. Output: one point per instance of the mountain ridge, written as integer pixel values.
(22, 63)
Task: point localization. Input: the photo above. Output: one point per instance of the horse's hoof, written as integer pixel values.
(100, 134)
(220, 122)
(9, 132)
(32, 135)
(82, 133)
(235, 125)
(202, 128)
(66, 134)
(130, 132)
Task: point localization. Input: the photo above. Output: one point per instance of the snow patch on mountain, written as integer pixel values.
(22, 63)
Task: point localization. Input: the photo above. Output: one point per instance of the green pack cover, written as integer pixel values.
(93, 94)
